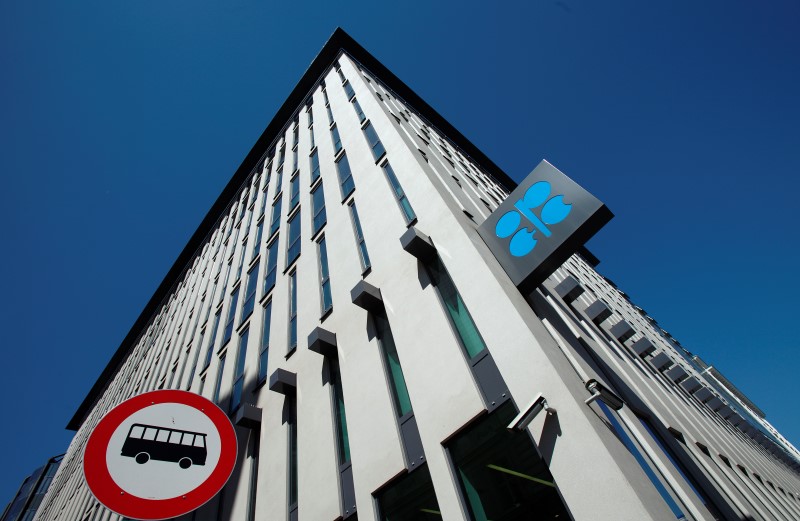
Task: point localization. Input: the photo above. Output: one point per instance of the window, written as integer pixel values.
(231, 315)
(318, 205)
(241, 261)
(263, 354)
(337, 141)
(342, 438)
(293, 250)
(348, 89)
(394, 371)
(311, 135)
(214, 328)
(294, 198)
(324, 275)
(362, 245)
(399, 194)
(410, 498)
(314, 166)
(272, 266)
(359, 112)
(341, 74)
(250, 292)
(459, 315)
(295, 159)
(292, 435)
(257, 244)
(345, 176)
(500, 472)
(293, 311)
(276, 217)
(331, 121)
(310, 114)
(374, 143)
(238, 376)
(218, 384)
(281, 155)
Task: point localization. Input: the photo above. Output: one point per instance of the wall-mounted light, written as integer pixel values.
(604, 394)
(526, 416)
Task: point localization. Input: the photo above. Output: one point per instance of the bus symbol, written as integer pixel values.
(146, 442)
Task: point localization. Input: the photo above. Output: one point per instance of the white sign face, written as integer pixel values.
(164, 426)
(160, 455)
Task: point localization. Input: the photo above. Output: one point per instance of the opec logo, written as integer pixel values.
(553, 210)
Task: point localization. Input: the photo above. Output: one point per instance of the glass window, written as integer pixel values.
(394, 371)
(294, 198)
(314, 166)
(348, 89)
(325, 95)
(292, 427)
(626, 440)
(324, 276)
(374, 143)
(501, 473)
(231, 315)
(272, 266)
(264, 350)
(337, 141)
(318, 204)
(295, 159)
(362, 245)
(281, 155)
(238, 377)
(218, 384)
(310, 114)
(346, 182)
(294, 239)
(399, 194)
(293, 310)
(359, 112)
(342, 438)
(214, 329)
(276, 217)
(410, 498)
(241, 261)
(459, 315)
(311, 136)
(250, 292)
(257, 243)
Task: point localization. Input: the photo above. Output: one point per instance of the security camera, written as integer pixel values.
(603, 394)
(526, 416)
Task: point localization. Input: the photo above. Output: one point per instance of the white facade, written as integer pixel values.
(543, 343)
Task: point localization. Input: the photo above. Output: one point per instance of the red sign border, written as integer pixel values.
(121, 502)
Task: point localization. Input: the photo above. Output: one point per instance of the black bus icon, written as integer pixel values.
(146, 442)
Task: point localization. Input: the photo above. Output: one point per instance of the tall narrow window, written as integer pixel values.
(324, 276)
(281, 155)
(310, 114)
(231, 315)
(241, 260)
(346, 182)
(294, 198)
(259, 234)
(311, 136)
(337, 141)
(293, 311)
(348, 89)
(272, 266)
(276, 217)
(362, 245)
(214, 328)
(263, 353)
(263, 206)
(218, 384)
(399, 194)
(318, 204)
(193, 370)
(314, 166)
(238, 375)
(293, 250)
(292, 439)
(359, 112)
(342, 438)
(373, 141)
(394, 371)
(250, 292)
(459, 315)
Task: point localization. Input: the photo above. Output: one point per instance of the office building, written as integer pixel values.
(340, 304)
(29, 496)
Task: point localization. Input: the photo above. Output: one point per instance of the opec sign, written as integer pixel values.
(547, 218)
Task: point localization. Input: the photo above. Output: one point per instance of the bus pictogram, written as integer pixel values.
(146, 442)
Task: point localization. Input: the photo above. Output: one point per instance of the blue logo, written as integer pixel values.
(553, 211)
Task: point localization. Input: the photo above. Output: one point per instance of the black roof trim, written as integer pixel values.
(339, 41)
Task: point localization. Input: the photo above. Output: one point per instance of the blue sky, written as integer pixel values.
(122, 121)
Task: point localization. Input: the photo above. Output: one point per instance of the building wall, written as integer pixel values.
(540, 343)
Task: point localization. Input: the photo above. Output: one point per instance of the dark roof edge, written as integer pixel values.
(338, 41)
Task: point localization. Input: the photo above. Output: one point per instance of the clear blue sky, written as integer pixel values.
(121, 121)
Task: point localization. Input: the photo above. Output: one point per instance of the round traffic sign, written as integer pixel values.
(160, 455)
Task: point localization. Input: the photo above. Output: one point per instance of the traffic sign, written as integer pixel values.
(160, 455)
